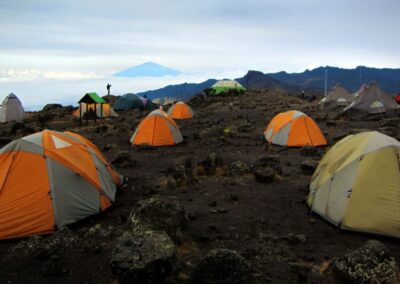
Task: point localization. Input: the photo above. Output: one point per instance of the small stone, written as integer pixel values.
(234, 197)
(192, 216)
(308, 167)
(222, 210)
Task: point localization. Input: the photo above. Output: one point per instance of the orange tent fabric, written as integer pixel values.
(70, 180)
(180, 110)
(157, 129)
(294, 128)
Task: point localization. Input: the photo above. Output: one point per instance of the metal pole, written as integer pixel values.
(80, 114)
(326, 82)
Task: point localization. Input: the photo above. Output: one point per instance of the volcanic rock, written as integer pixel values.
(371, 263)
(271, 161)
(264, 174)
(143, 257)
(161, 214)
(222, 266)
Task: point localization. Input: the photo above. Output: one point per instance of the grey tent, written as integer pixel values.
(337, 97)
(133, 101)
(372, 100)
(11, 109)
(164, 101)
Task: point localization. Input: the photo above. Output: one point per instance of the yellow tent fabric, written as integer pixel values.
(108, 111)
(356, 185)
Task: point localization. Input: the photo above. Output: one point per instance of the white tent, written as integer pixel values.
(11, 109)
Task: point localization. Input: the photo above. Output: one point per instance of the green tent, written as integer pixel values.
(224, 86)
(133, 101)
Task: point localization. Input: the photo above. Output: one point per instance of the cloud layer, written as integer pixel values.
(56, 40)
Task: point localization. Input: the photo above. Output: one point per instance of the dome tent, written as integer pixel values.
(71, 180)
(11, 109)
(157, 129)
(294, 129)
(225, 85)
(180, 110)
(337, 97)
(133, 101)
(372, 100)
(356, 184)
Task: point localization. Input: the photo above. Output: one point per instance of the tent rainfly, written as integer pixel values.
(356, 184)
(180, 110)
(132, 101)
(294, 129)
(157, 129)
(372, 100)
(50, 179)
(225, 85)
(337, 97)
(11, 109)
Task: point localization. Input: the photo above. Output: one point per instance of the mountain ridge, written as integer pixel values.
(314, 79)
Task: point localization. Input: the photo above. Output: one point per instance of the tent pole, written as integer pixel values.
(87, 114)
(80, 113)
(95, 112)
(101, 110)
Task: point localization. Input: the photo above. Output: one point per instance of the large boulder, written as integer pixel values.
(143, 257)
(222, 266)
(371, 263)
(161, 214)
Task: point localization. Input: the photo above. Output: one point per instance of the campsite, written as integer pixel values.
(200, 142)
(235, 190)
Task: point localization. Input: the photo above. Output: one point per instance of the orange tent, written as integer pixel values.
(294, 128)
(50, 179)
(180, 110)
(157, 129)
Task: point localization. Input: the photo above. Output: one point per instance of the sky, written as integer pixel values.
(52, 50)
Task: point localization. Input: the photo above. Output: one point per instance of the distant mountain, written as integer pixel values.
(148, 69)
(181, 91)
(309, 80)
(351, 79)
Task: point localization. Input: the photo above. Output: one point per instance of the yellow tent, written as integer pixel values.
(356, 185)
(107, 111)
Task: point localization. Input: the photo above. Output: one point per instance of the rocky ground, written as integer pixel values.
(222, 207)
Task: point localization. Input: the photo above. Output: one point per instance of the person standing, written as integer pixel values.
(108, 89)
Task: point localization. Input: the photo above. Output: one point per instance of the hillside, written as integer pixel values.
(182, 91)
(351, 79)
